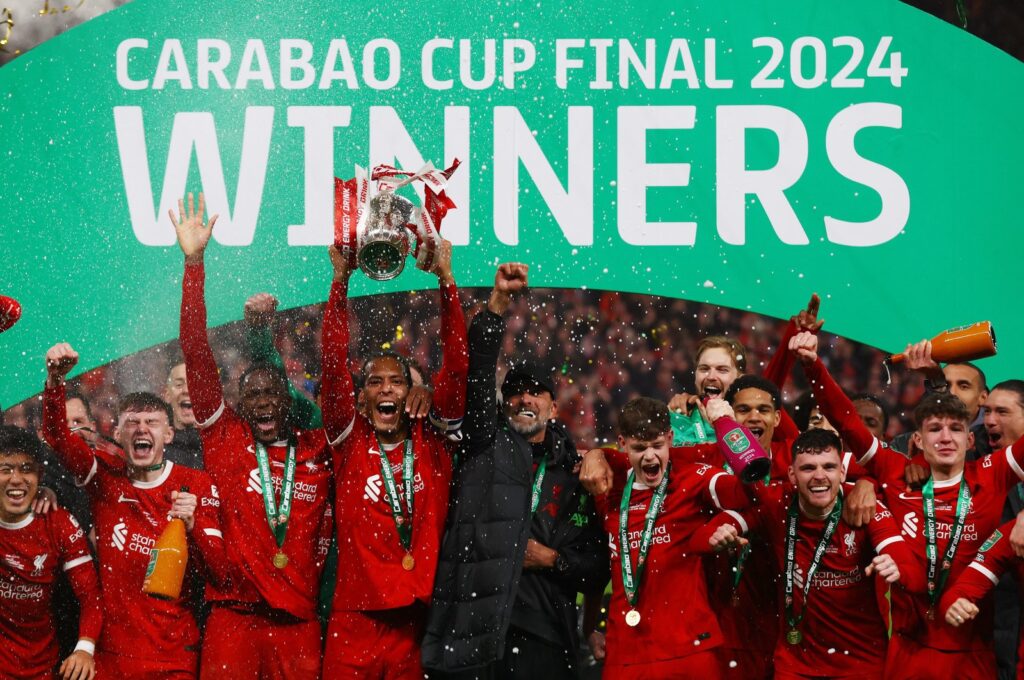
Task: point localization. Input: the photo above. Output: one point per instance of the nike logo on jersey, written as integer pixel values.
(125, 499)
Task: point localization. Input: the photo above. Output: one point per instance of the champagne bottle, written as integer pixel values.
(741, 450)
(965, 343)
(167, 560)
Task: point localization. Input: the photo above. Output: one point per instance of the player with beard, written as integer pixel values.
(36, 549)
(833, 628)
(392, 475)
(275, 485)
(660, 624)
(132, 500)
(945, 522)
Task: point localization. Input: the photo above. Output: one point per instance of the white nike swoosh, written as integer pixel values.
(125, 499)
(905, 497)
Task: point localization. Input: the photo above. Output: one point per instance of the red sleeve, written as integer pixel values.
(777, 371)
(994, 559)
(200, 368)
(450, 381)
(887, 539)
(618, 462)
(337, 392)
(695, 454)
(77, 563)
(726, 492)
(699, 541)
(73, 451)
(1013, 455)
(206, 535)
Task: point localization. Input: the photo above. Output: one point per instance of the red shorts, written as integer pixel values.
(744, 664)
(700, 666)
(123, 667)
(244, 645)
(382, 644)
(908, 660)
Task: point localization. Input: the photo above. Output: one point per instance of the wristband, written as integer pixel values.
(87, 646)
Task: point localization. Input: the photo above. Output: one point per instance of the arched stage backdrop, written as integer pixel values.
(739, 153)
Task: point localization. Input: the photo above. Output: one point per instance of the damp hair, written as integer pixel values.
(940, 405)
(757, 382)
(263, 367)
(815, 441)
(15, 440)
(644, 418)
(1015, 386)
(143, 402)
(735, 350)
(76, 394)
(388, 354)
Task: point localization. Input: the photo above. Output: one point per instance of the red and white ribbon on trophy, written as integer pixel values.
(10, 312)
(350, 198)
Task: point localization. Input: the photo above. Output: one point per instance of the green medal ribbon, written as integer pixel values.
(631, 581)
(936, 576)
(794, 636)
(538, 482)
(277, 517)
(403, 522)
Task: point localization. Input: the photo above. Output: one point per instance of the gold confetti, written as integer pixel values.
(386, 345)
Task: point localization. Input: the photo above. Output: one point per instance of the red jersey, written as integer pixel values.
(370, 572)
(229, 456)
(129, 517)
(676, 619)
(843, 631)
(989, 480)
(33, 552)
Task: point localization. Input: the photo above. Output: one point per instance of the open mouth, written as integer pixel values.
(994, 438)
(142, 446)
(387, 408)
(650, 471)
(756, 430)
(17, 495)
(819, 489)
(266, 424)
(186, 405)
(526, 413)
(712, 391)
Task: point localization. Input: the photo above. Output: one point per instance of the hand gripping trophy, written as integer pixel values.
(375, 234)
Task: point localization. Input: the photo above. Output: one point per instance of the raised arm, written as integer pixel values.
(337, 391)
(450, 380)
(781, 363)
(200, 367)
(73, 451)
(485, 334)
(258, 314)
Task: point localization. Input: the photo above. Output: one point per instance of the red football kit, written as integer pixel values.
(677, 631)
(923, 645)
(842, 631)
(285, 641)
(33, 553)
(382, 590)
(142, 635)
(995, 558)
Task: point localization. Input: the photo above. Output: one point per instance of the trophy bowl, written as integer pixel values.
(384, 245)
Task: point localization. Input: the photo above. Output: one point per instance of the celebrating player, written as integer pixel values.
(36, 549)
(833, 627)
(275, 485)
(392, 477)
(132, 500)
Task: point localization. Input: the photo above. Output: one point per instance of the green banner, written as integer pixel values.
(739, 153)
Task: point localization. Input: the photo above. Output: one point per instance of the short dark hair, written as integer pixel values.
(644, 418)
(1015, 386)
(14, 440)
(735, 350)
(76, 394)
(974, 367)
(142, 402)
(867, 396)
(940, 405)
(263, 367)
(817, 439)
(801, 409)
(388, 354)
(745, 382)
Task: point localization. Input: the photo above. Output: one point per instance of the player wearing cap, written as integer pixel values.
(521, 529)
(35, 549)
(274, 482)
(831, 624)
(392, 474)
(945, 522)
(132, 500)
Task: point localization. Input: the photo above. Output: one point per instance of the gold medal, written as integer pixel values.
(408, 563)
(794, 636)
(280, 560)
(632, 618)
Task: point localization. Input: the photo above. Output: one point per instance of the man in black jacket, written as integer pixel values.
(522, 537)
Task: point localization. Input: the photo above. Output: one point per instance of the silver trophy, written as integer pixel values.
(384, 242)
